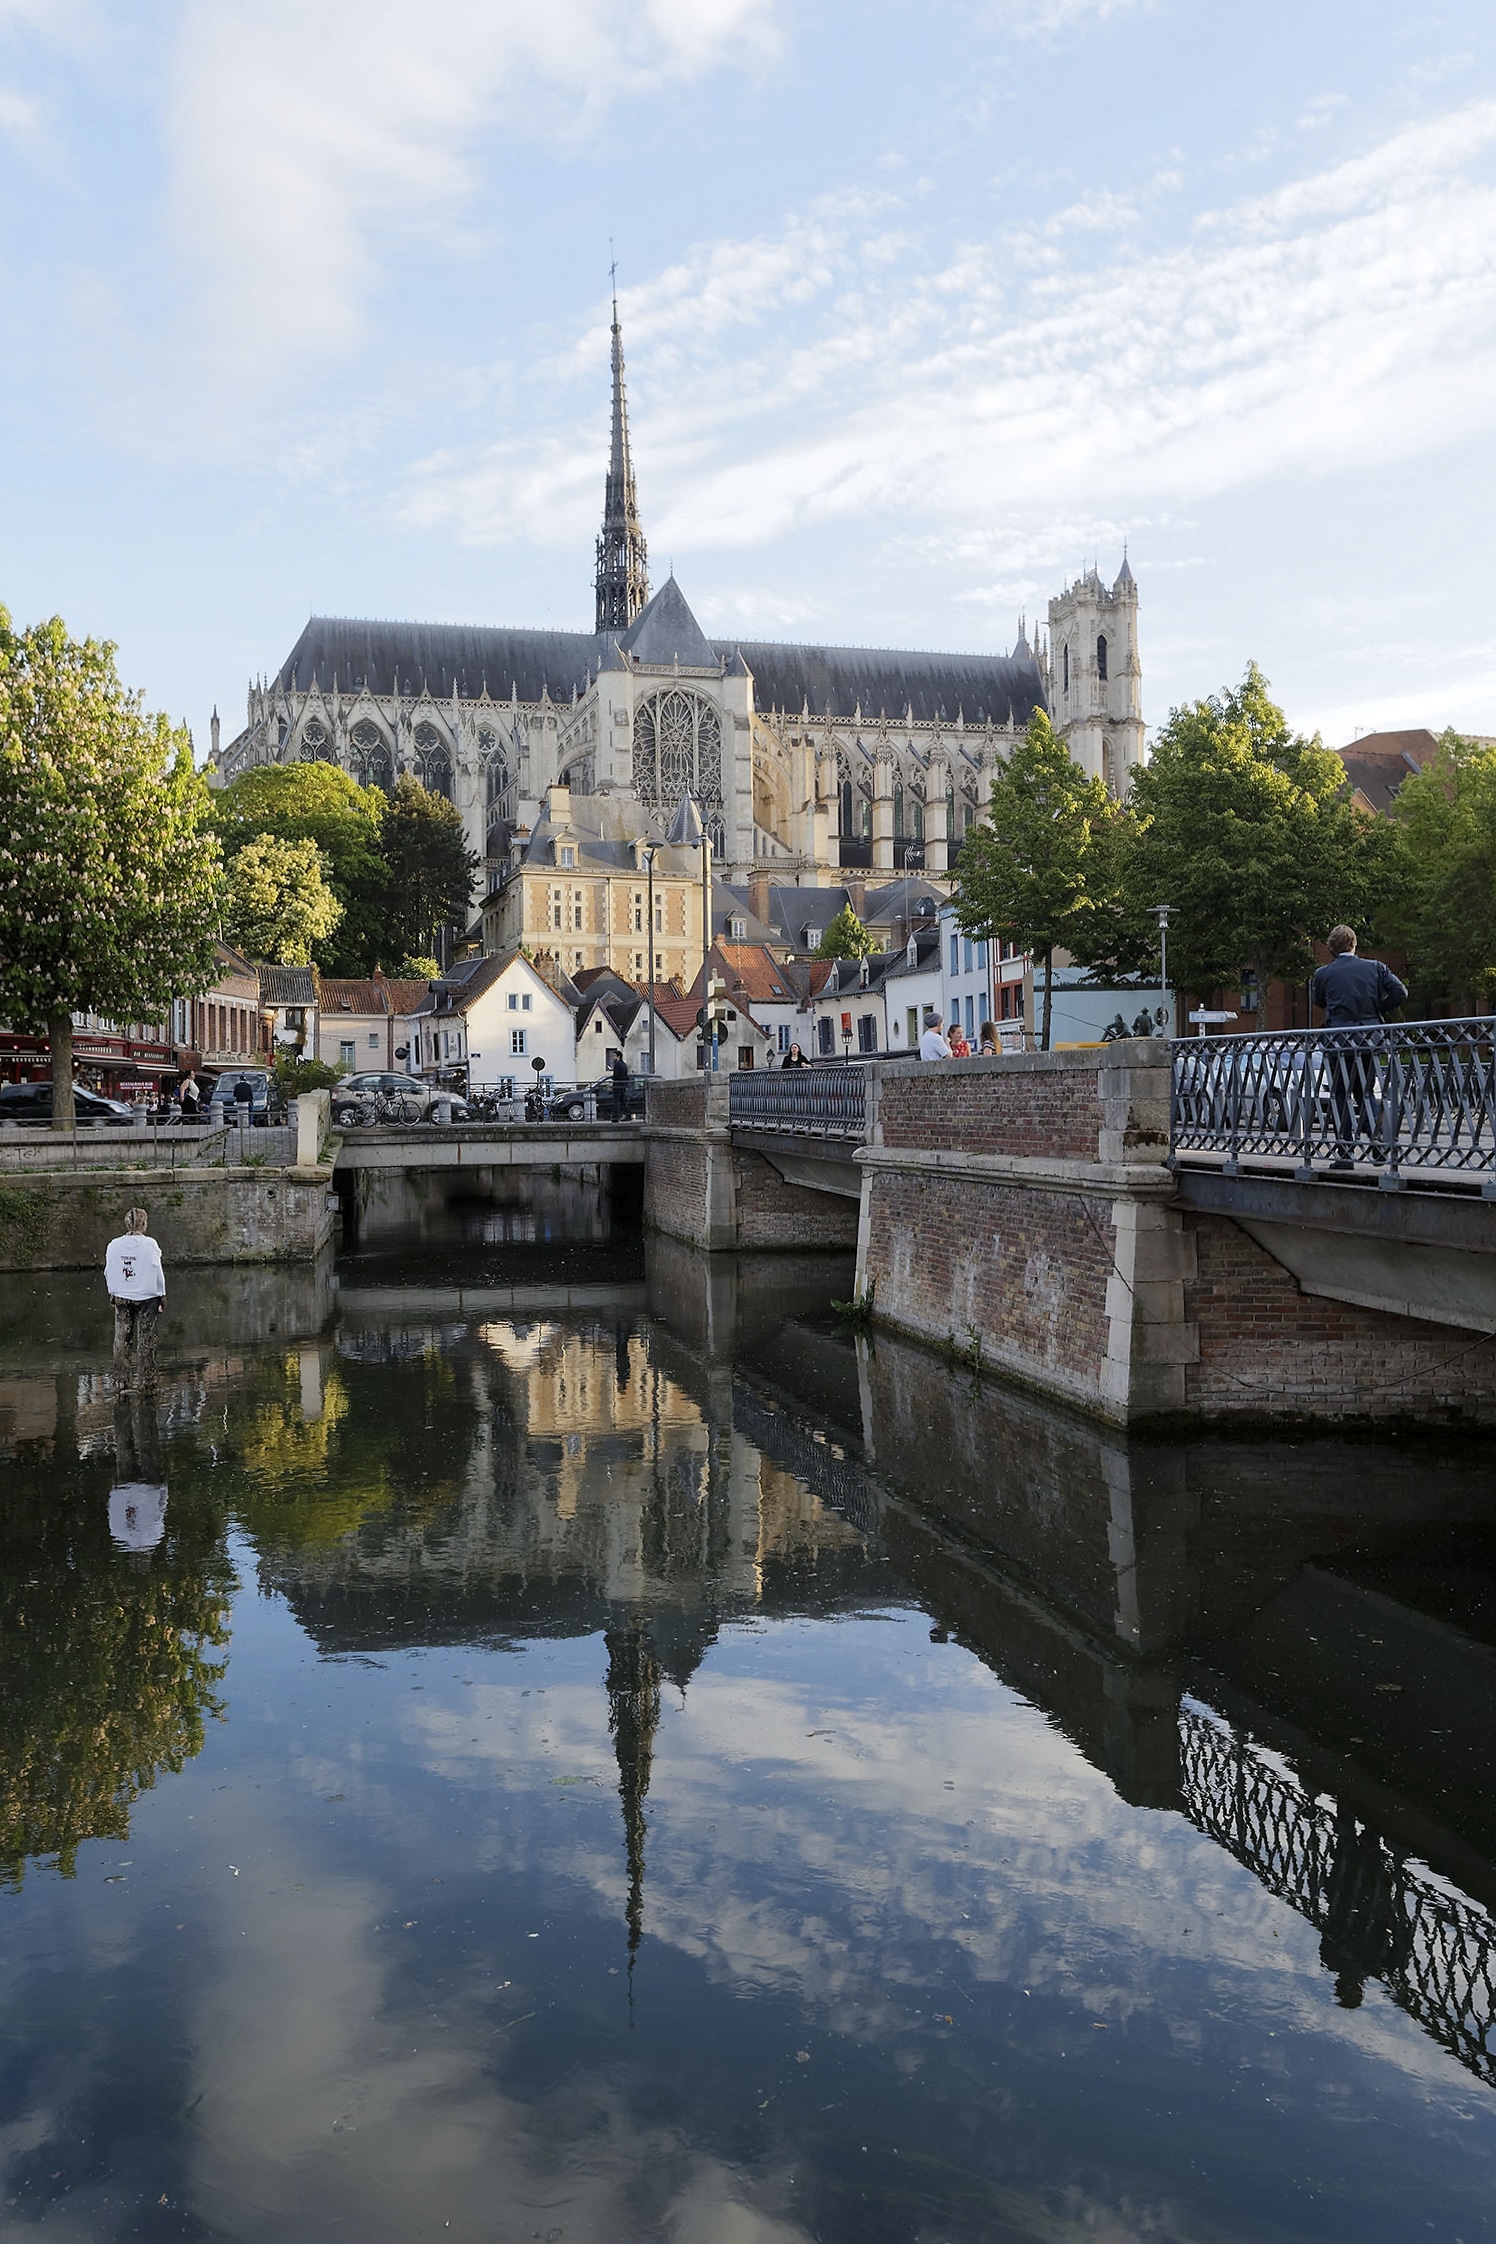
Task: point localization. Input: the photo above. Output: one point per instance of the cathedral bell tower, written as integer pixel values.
(622, 556)
(1095, 677)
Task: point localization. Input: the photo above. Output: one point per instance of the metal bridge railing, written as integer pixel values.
(1379, 1915)
(1418, 1096)
(815, 1101)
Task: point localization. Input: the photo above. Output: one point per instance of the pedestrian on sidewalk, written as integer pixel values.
(192, 1097)
(244, 1102)
(136, 1282)
(794, 1057)
(932, 1045)
(620, 1074)
(1355, 993)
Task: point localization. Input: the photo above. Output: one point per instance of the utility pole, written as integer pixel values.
(650, 854)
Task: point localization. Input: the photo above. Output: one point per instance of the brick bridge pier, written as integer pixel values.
(1026, 1213)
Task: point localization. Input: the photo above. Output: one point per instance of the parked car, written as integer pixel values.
(571, 1105)
(32, 1103)
(358, 1100)
(222, 1106)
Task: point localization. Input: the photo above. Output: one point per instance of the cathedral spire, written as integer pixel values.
(622, 557)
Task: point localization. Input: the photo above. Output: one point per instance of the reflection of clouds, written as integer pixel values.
(844, 1874)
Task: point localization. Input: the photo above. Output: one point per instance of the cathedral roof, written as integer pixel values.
(887, 681)
(829, 681)
(665, 631)
(405, 657)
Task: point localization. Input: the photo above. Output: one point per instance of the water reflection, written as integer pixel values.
(137, 1501)
(687, 1773)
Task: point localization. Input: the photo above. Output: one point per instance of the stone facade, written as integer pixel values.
(805, 759)
(61, 1221)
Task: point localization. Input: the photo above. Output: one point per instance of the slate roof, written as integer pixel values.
(887, 681)
(831, 681)
(665, 631)
(287, 985)
(1378, 763)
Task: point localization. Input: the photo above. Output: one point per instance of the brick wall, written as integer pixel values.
(675, 1188)
(677, 1106)
(773, 1214)
(1267, 1349)
(1028, 1269)
(1042, 1103)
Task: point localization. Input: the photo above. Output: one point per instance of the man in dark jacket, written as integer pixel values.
(1355, 993)
(620, 1074)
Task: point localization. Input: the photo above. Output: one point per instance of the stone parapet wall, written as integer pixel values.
(63, 1221)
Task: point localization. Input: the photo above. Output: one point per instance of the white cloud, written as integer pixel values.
(1344, 321)
(301, 129)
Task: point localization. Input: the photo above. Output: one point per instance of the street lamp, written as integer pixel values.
(688, 831)
(1161, 913)
(651, 852)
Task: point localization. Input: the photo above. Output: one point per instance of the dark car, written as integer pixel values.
(32, 1102)
(571, 1106)
(224, 1107)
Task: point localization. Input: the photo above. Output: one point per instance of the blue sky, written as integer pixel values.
(303, 307)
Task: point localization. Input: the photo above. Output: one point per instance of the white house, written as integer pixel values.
(911, 986)
(489, 1020)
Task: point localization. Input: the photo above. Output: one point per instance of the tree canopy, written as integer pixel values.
(110, 878)
(319, 803)
(429, 884)
(1041, 869)
(278, 904)
(1249, 831)
(1442, 897)
(846, 937)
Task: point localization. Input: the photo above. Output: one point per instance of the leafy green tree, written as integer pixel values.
(431, 869)
(1442, 905)
(278, 904)
(109, 876)
(1248, 830)
(846, 937)
(1041, 869)
(317, 802)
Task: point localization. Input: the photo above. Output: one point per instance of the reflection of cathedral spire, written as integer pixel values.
(622, 556)
(633, 1718)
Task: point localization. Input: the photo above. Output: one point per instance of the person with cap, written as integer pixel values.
(136, 1282)
(932, 1045)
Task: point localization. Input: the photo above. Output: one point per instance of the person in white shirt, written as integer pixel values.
(932, 1045)
(137, 1287)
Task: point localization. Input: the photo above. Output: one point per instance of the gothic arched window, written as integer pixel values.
(865, 811)
(1101, 656)
(314, 742)
(917, 820)
(898, 808)
(373, 765)
(845, 824)
(677, 751)
(433, 764)
(1065, 664)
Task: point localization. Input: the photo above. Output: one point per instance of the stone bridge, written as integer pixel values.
(1060, 1217)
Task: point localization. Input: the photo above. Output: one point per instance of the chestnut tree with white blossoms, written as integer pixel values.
(110, 879)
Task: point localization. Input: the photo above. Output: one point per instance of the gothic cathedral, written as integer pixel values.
(805, 760)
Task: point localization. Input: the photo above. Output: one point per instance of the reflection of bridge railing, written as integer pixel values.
(817, 1101)
(835, 1479)
(1417, 1095)
(1379, 1916)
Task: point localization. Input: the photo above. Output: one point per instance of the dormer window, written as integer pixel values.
(566, 856)
(737, 930)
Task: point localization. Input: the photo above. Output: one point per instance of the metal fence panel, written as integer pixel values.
(812, 1101)
(1417, 1095)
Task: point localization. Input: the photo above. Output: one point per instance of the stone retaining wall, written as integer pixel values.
(62, 1221)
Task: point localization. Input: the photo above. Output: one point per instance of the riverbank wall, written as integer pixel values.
(64, 1219)
(707, 1192)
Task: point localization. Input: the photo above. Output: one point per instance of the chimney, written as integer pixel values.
(558, 804)
(856, 895)
(758, 896)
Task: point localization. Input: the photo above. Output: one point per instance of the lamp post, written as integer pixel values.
(688, 831)
(1161, 913)
(652, 850)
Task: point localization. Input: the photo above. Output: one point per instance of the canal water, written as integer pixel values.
(533, 1735)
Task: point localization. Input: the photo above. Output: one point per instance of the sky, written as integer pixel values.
(926, 305)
